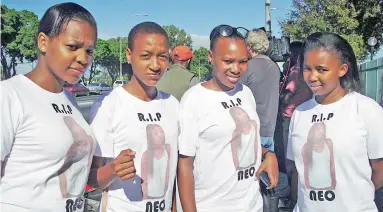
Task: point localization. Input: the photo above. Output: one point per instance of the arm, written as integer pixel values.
(234, 150)
(377, 172)
(186, 183)
(101, 176)
(270, 166)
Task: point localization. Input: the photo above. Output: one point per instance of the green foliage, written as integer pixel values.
(338, 16)
(19, 29)
(177, 36)
(200, 65)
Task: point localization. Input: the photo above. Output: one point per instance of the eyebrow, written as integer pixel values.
(80, 43)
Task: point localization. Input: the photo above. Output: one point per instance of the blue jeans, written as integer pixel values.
(268, 142)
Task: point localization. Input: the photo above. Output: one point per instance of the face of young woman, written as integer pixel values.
(229, 59)
(69, 54)
(149, 57)
(322, 71)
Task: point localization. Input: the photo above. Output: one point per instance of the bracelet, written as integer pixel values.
(264, 154)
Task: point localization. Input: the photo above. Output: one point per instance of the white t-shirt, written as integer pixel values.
(213, 128)
(126, 122)
(343, 135)
(46, 149)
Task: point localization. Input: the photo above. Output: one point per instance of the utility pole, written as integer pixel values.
(267, 16)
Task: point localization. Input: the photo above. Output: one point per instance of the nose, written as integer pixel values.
(154, 65)
(312, 76)
(83, 57)
(236, 68)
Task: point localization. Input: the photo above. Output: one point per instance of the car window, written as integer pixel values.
(94, 84)
(67, 85)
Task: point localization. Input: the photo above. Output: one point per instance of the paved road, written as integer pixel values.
(84, 103)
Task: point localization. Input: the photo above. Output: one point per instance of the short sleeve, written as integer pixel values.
(11, 113)
(101, 118)
(372, 114)
(189, 133)
(289, 151)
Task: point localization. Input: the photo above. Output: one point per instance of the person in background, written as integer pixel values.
(262, 77)
(293, 92)
(46, 144)
(213, 115)
(137, 131)
(337, 132)
(178, 79)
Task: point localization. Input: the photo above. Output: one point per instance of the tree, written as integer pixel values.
(200, 65)
(17, 38)
(97, 59)
(177, 36)
(339, 16)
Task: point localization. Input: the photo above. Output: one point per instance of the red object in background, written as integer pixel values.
(88, 188)
(76, 89)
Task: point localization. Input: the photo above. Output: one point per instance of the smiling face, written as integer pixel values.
(149, 57)
(69, 54)
(322, 71)
(229, 59)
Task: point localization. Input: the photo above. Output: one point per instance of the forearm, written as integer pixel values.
(377, 172)
(101, 177)
(186, 189)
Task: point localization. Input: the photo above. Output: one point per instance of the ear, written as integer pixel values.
(343, 70)
(128, 55)
(42, 42)
(210, 57)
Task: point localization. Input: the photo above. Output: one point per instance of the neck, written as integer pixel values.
(253, 54)
(140, 90)
(337, 94)
(181, 64)
(215, 85)
(46, 79)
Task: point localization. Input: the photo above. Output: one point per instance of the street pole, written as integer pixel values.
(140, 14)
(268, 17)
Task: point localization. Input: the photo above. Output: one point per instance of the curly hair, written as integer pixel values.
(258, 41)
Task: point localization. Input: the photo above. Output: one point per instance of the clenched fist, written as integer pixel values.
(123, 164)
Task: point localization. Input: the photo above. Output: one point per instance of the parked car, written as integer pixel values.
(118, 83)
(77, 89)
(99, 88)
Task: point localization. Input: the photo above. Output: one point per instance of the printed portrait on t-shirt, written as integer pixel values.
(244, 144)
(74, 173)
(155, 163)
(318, 159)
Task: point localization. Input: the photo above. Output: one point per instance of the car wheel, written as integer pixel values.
(87, 93)
(75, 94)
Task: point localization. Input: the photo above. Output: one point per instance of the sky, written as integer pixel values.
(198, 17)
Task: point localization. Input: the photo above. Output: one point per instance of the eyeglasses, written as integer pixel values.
(226, 31)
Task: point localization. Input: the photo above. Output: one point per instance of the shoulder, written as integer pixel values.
(366, 105)
(12, 88)
(192, 94)
(168, 97)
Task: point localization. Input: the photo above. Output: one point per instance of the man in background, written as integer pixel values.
(178, 79)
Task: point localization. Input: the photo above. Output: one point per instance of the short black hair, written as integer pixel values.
(145, 28)
(57, 17)
(334, 43)
(214, 36)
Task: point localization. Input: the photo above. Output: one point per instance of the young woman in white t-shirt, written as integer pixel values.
(46, 144)
(136, 127)
(335, 139)
(219, 149)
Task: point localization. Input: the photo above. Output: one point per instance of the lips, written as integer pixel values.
(315, 88)
(155, 75)
(233, 79)
(77, 70)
